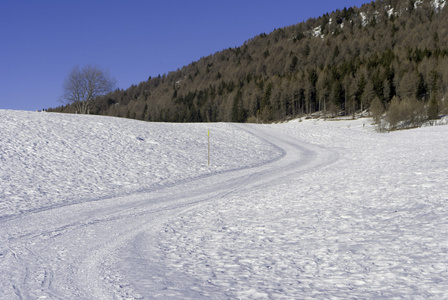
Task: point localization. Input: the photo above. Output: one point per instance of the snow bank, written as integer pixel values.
(51, 159)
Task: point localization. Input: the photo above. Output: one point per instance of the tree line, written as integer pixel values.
(345, 62)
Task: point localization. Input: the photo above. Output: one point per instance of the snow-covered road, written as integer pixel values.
(298, 210)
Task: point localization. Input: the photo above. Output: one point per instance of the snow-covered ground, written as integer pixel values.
(105, 208)
(49, 159)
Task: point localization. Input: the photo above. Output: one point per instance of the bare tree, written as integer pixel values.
(83, 85)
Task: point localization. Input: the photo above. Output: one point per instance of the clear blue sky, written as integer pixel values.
(42, 40)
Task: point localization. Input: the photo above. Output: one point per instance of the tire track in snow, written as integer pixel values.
(162, 253)
(79, 246)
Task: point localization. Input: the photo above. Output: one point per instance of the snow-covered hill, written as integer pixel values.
(51, 159)
(104, 208)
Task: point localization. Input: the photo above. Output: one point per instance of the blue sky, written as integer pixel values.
(42, 40)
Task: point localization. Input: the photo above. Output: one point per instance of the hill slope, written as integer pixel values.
(53, 159)
(341, 61)
(119, 208)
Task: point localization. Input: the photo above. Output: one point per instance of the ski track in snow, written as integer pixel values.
(104, 208)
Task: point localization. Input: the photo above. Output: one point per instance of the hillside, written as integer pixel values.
(107, 208)
(341, 62)
(98, 156)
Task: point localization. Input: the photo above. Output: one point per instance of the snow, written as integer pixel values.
(438, 4)
(418, 3)
(365, 22)
(106, 208)
(317, 32)
(50, 159)
(390, 12)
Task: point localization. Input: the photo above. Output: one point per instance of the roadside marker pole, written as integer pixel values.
(209, 147)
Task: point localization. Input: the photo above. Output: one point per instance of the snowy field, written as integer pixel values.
(105, 208)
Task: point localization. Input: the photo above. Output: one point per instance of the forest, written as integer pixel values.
(388, 58)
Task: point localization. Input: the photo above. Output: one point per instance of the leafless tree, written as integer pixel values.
(83, 85)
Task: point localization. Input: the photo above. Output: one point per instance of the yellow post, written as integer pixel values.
(209, 147)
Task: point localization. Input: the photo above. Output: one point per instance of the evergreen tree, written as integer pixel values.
(305, 68)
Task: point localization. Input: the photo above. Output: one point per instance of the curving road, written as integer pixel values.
(123, 247)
